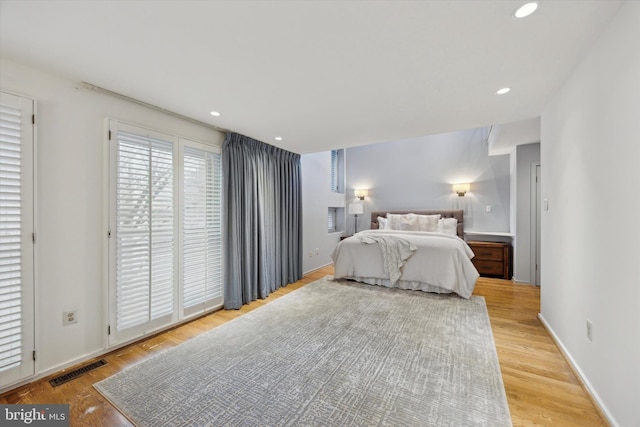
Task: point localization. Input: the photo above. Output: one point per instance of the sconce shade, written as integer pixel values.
(361, 194)
(461, 189)
(356, 209)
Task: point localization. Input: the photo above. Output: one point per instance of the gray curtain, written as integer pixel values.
(262, 219)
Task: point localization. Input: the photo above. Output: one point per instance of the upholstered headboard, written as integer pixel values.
(450, 213)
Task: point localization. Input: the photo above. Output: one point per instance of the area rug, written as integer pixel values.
(332, 353)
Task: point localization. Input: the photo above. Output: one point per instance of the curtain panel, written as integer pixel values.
(262, 219)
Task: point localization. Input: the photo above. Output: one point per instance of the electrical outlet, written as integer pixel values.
(589, 330)
(69, 317)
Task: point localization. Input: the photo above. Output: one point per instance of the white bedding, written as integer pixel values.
(441, 263)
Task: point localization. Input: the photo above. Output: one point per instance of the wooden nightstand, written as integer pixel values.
(492, 259)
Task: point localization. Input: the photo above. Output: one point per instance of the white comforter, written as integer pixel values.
(441, 262)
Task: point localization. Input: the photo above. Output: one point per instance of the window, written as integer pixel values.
(335, 219)
(334, 171)
(165, 252)
(202, 227)
(337, 166)
(332, 220)
(144, 229)
(16, 238)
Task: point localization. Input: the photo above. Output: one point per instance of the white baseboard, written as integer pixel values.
(581, 376)
(104, 351)
(55, 369)
(521, 282)
(61, 367)
(304, 273)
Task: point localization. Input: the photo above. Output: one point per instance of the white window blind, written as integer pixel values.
(144, 229)
(202, 227)
(334, 171)
(332, 220)
(10, 238)
(165, 217)
(16, 238)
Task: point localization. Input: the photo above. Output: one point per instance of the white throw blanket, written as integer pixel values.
(395, 252)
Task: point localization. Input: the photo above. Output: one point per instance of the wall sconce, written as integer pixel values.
(461, 189)
(361, 194)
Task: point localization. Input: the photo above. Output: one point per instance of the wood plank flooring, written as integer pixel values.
(542, 390)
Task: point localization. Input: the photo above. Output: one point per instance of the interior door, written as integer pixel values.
(16, 239)
(538, 214)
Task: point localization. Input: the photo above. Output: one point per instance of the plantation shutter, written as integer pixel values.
(331, 220)
(10, 237)
(144, 229)
(334, 171)
(202, 227)
(16, 238)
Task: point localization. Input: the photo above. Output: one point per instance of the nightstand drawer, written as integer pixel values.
(490, 253)
(492, 258)
(489, 268)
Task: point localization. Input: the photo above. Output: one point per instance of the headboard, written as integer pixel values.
(450, 213)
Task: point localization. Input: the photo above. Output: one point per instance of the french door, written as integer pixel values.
(17, 346)
(165, 230)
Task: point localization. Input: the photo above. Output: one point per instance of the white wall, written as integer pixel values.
(590, 237)
(317, 197)
(418, 173)
(70, 217)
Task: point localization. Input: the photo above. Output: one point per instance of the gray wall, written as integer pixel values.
(418, 174)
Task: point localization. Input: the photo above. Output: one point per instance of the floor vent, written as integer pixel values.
(72, 375)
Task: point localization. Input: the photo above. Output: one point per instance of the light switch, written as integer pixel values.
(487, 208)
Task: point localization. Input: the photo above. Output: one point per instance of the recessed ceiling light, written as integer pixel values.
(503, 90)
(215, 114)
(525, 10)
(278, 138)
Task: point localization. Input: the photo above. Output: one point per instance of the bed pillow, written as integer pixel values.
(394, 222)
(382, 223)
(409, 222)
(448, 226)
(428, 222)
(402, 222)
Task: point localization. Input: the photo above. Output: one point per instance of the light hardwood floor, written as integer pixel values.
(541, 388)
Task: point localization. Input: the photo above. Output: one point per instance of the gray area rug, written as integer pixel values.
(333, 353)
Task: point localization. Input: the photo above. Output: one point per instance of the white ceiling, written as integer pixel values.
(503, 137)
(320, 74)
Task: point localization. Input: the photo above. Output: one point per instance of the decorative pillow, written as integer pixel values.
(409, 222)
(394, 222)
(382, 223)
(428, 222)
(448, 226)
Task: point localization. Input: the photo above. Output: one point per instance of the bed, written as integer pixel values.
(404, 255)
